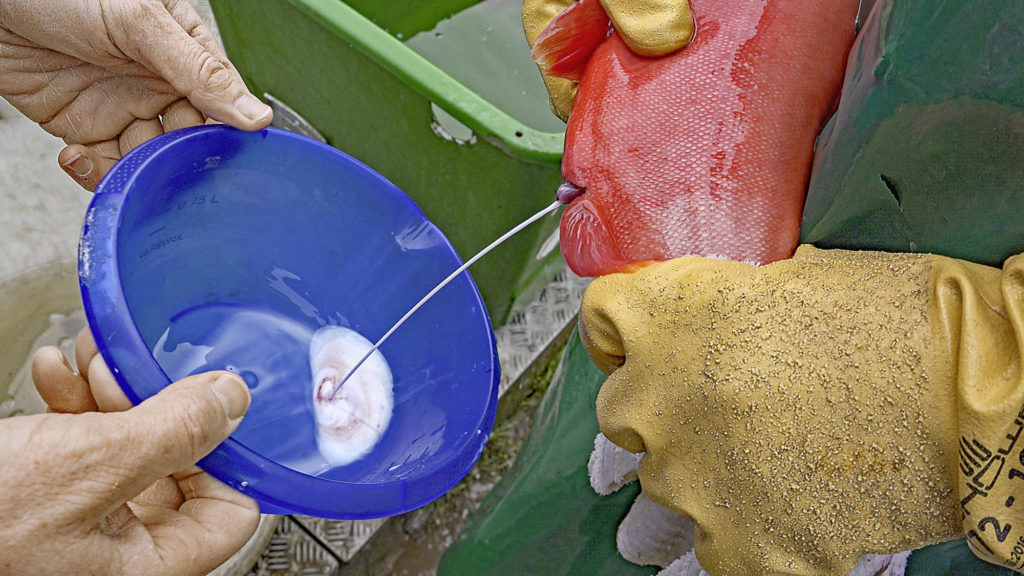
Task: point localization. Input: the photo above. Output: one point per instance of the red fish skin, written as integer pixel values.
(707, 151)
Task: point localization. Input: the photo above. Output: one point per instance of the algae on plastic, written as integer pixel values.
(926, 150)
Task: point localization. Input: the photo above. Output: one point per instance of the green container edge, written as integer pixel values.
(435, 84)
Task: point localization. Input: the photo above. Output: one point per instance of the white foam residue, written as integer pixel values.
(86, 245)
(277, 282)
(186, 358)
(419, 236)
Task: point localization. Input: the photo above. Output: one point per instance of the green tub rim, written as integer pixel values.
(466, 106)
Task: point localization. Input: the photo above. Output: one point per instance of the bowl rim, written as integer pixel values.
(99, 279)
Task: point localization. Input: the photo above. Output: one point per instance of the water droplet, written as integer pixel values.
(250, 378)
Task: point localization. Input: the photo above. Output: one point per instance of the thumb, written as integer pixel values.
(177, 427)
(614, 327)
(182, 50)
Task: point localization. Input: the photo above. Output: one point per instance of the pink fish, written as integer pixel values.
(706, 151)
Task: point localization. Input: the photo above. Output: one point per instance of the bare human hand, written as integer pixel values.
(118, 493)
(107, 75)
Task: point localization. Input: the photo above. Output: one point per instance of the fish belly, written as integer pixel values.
(706, 151)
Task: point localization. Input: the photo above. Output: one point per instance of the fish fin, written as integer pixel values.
(564, 47)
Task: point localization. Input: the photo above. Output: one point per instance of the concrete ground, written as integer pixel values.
(41, 208)
(41, 214)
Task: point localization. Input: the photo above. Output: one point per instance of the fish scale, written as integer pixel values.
(706, 151)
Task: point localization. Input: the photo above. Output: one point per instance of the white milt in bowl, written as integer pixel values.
(350, 424)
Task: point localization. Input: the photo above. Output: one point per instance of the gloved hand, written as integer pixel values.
(118, 493)
(653, 535)
(649, 27)
(813, 410)
(107, 75)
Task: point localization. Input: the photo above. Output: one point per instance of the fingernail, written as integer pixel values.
(250, 107)
(233, 395)
(81, 165)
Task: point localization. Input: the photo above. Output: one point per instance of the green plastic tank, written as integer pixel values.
(439, 97)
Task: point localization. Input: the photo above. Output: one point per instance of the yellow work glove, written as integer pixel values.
(649, 27)
(816, 409)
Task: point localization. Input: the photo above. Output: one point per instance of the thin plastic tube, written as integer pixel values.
(554, 206)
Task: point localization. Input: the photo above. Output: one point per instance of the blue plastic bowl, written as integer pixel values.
(212, 248)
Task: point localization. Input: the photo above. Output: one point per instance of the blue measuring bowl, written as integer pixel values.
(213, 248)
